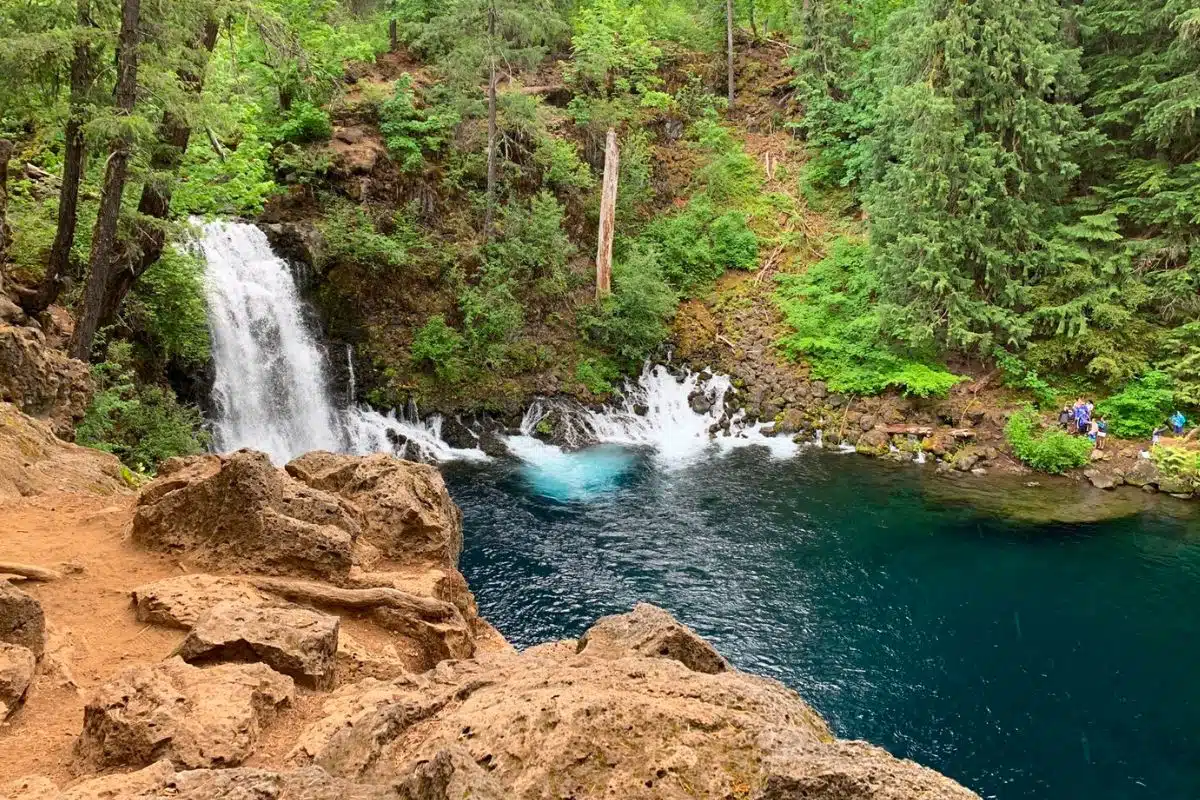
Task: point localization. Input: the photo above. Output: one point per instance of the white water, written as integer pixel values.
(667, 424)
(272, 391)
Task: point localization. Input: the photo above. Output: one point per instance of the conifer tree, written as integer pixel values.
(972, 156)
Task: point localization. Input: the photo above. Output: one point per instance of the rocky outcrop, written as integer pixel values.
(292, 640)
(42, 381)
(405, 510)
(649, 631)
(17, 665)
(239, 512)
(192, 717)
(612, 716)
(181, 601)
(34, 461)
(22, 620)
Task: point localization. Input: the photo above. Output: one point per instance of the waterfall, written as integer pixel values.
(272, 391)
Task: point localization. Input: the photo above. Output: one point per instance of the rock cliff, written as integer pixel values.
(329, 648)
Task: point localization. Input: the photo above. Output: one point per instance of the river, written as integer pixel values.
(1025, 660)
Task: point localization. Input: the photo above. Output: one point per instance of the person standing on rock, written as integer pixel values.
(1101, 432)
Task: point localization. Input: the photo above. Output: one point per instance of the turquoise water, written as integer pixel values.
(1025, 660)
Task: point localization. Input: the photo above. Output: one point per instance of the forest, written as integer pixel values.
(982, 185)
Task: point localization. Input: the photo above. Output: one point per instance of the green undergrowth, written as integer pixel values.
(1045, 449)
(837, 330)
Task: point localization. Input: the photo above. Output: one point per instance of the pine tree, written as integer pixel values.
(972, 155)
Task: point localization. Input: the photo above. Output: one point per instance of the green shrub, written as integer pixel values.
(597, 374)
(531, 246)
(351, 236)
(837, 329)
(633, 321)
(410, 132)
(560, 164)
(492, 317)
(1140, 407)
(304, 122)
(168, 305)
(142, 424)
(235, 183)
(696, 245)
(1052, 450)
(441, 347)
(1018, 375)
(1179, 463)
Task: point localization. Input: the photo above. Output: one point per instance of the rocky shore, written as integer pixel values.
(313, 638)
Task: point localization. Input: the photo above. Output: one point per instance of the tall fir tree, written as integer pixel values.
(972, 155)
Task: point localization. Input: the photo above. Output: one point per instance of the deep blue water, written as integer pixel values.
(1025, 660)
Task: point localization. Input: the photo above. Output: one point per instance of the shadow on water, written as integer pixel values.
(1027, 659)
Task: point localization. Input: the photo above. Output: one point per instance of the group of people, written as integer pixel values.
(1080, 420)
(1176, 422)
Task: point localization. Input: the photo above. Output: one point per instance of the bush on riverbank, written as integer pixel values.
(1048, 450)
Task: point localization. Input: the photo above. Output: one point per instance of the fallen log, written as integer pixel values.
(378, 597)
(29, 571)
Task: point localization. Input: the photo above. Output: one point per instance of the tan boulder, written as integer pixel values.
(34, 461)
(22, 620)
(181, 601)
(240, 512)
(42, 381)
(613, 718)
(649, 631)
(296, 641)
(193, 717)
(406, 511)
(356, 661)
(17, 665)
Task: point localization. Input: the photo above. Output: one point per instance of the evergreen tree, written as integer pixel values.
(972, 155)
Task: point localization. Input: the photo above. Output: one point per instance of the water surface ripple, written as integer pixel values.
(1025, 660)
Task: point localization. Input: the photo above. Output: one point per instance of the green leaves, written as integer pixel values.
(1052, 450)
(838, 329)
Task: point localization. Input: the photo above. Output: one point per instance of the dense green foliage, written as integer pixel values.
(140, 423)
(1053, 450)
(1001, 186)
(840, 332)
(1143, 405)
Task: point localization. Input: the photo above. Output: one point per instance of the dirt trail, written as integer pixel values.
(93, 629)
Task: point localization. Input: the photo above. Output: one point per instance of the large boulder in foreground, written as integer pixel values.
(624, 720)
(650, 631)
(190, 716)
(34, 461)
(295, 641)
(406, 511)
(238, 512)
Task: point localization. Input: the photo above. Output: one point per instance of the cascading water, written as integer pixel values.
(272, 390)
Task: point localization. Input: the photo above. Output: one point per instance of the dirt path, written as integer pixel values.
(92, 628)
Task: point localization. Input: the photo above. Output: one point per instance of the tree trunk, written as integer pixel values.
(6, 148)
(104, 235)
(491, 145)
(155, 203)
(753, 24)
(608, 211)
(73, 159)
(393, 37)
(729, 46)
